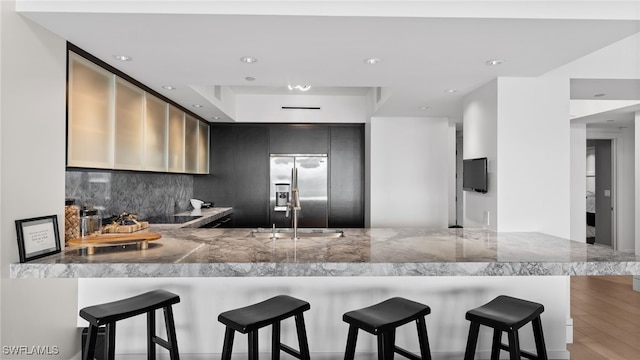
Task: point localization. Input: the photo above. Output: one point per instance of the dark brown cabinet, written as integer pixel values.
(239, 168)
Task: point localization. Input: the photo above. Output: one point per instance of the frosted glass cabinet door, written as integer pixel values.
(90, 115)
(203, 148)
(129, 126)
(191, 144)
(176, 139)
(155, 134)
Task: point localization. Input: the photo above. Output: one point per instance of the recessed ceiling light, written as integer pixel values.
(168, 87)
(197, 105)
(216, 118)
(249, 78)
(299, 87)
(451, 91)
(599, 95)
(123, 57)
(372, 61)
(494, 62)
(424, 107)
(248, 59)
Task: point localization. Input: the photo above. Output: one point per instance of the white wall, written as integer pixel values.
(35, 312)
(636, 196)
(534, 155)
(616, 61)
(578, 142)
(521, 126)
(480, 139)
(409, 171)
(451, 162)
(333, 109)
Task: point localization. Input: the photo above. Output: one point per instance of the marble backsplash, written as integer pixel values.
(143, 194)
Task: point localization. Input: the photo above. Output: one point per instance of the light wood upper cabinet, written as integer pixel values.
(129, 131)
(191, 144)
(203, 148)
(155, 134)
(90, 109)
(114, 124)
(176, 139)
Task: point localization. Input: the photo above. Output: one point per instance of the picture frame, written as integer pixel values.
(38, 237)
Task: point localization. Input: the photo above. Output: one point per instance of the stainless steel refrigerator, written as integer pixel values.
(312, 185)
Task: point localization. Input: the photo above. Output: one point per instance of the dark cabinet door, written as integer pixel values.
(299, 139)
(239, 175)
(346, 199)
(239, 164)
(250, 181)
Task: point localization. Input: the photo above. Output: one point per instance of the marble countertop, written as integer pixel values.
(193, 252)
(207, 216)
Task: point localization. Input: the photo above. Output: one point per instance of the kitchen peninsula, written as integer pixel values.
(185, 251)
(452, 270)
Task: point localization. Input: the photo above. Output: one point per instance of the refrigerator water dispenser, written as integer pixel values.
(282, 196)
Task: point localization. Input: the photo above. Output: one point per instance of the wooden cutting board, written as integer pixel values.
(114, 239)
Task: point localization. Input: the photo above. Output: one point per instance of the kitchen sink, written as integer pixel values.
(287, 233)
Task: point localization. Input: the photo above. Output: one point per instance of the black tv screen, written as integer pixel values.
(474, 175)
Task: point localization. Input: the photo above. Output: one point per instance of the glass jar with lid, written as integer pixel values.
(90, 221)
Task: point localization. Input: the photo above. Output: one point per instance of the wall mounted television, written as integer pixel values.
(474, 175)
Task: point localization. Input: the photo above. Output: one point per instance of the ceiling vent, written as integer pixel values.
(301, 108)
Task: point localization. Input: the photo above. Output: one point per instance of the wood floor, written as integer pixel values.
(606, 318)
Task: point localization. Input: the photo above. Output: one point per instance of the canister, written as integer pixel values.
(71, 220)
(90, 221)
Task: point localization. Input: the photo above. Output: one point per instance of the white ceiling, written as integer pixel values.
(422, 55)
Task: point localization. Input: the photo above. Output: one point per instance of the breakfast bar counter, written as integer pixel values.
(451, 270)
(199, 252)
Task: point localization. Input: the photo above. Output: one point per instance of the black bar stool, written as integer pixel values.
(249, 319)
(108, 313)
(507, 314)
(381, 320)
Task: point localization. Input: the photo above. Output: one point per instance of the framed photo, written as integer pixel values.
(38, 237)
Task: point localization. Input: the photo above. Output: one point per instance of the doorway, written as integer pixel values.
(599, 179)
